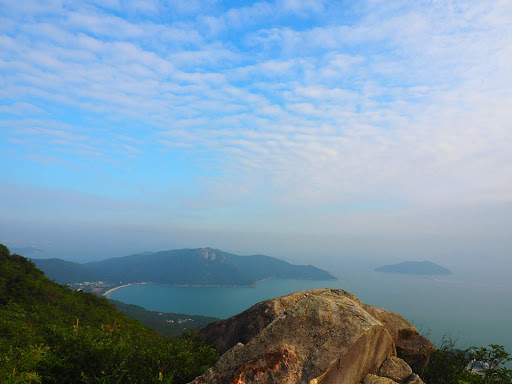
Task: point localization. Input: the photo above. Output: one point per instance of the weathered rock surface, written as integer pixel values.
(395, 369)
(414, 379)
(374, 379)
(320, 336)
(412, 347)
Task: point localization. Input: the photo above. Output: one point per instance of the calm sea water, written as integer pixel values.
(477, 310)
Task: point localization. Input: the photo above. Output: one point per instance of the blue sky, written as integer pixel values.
(179, 123)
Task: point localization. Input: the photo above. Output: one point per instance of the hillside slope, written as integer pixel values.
(64, 272)
(165, 323)
(51, 334)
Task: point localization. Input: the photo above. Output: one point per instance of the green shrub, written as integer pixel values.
(450, 365)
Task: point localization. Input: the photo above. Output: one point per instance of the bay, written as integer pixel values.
(471, 309)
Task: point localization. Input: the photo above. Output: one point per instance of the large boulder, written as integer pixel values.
(320, 336)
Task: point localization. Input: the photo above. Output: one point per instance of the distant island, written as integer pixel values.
(200, 266)
(424, 268)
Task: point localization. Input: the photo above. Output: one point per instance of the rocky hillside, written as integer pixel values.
(318, 337)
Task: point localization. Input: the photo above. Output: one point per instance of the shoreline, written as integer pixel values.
(253, 285)
(121, 286)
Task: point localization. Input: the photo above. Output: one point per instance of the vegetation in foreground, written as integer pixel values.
(165, 323)
(50, 334)
(484, 365)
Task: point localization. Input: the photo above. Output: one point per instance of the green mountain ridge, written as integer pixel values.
(201, 266)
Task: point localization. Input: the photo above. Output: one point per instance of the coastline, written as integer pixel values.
(122, 286)
(253, 285)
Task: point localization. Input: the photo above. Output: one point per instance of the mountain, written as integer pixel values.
(202, 266)
(425, 268)
(52, 334)
(64, 272)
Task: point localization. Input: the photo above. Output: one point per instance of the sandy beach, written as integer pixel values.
(122, 286)
(255, 284)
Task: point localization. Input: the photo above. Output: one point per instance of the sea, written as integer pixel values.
(473, 306)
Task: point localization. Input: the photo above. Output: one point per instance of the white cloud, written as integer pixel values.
(409, 102)
(21, 108)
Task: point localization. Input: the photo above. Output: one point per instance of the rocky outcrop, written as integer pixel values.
(317, 337)
(412, 347)
(209, 254)
(414, 379)
(374, 379)
(395, 369)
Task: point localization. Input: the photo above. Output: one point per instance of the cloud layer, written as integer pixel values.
(243, 115)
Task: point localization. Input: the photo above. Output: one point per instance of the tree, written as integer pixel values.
(475, 365)
(492, 361)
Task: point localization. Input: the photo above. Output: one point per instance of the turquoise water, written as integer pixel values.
(472, 310)
(219, 302)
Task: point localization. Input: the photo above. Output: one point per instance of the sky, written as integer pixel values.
(300, 129)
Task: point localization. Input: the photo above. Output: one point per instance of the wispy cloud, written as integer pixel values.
(302, 102)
